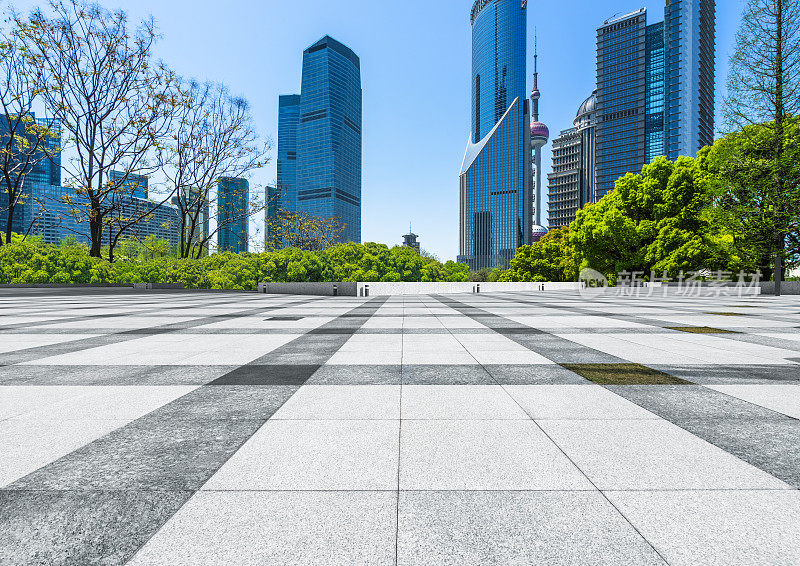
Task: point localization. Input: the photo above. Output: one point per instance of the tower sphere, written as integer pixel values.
(539, 134)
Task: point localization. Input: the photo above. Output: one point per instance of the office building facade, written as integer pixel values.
(621, 55)
(655, 88)
(44, 210)
(320, 138)
(496, 179)
(690, 39)
(46, 173)
(571, 183)
(233, 203)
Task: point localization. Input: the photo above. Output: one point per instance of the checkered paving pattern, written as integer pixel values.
(219, 428)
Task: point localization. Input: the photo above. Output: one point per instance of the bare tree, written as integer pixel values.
(288, 228)
(113, 101)
(25, 142)
(764, 88)
(213, 138)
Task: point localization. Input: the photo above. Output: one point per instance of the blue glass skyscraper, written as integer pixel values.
(319, 138)
(46, 173)
(495, 184)
(655, 88)
(233, 201)
(621, 83)
(288, 121)
(690, 28)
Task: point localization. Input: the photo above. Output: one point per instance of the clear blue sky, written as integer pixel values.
(415, 60)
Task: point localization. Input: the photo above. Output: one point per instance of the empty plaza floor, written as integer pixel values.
(187, 428)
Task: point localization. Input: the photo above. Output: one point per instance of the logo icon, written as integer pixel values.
(594, 283)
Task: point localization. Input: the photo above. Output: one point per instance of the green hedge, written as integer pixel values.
(33, 262)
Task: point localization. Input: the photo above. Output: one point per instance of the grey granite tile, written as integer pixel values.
(717, 528)
(446, 375)
(564, 351)
(540, 374)
(152, 453)
(278, 528)
(273, 374)
(111, 375)
(503, 528)
(770, 445)
(356, 375)
(731, 375)
(251, 402)
(77, 528)
(678, 403)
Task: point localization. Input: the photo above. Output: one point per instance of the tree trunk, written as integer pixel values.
(96, 234)
(780, 240)
(780, 246)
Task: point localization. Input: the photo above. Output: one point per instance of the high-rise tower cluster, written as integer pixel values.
(496, 180)
(654, 97)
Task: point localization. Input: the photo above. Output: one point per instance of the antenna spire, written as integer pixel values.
(535, 60)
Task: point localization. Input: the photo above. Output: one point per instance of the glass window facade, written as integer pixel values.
(233, 201)
(45, 211)
(495, 199)
(288, 120)
(690, 27)
(621, 80)
(496, 182)
(571, 184)
(499, 40)
(320, 140)
(655, 93)
(45, 174)
(135, 185)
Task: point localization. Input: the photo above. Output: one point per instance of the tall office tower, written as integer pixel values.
(573, 177)
(540, 134)
(288, 121)
(621, 82)
(496, 181)
(319, 138)
(233, 202)
(690, 42)
(655, 88)
(45, 174)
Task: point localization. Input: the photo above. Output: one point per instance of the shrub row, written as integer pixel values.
(32, 262)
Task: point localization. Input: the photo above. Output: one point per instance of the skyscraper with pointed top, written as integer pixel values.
(496, 181)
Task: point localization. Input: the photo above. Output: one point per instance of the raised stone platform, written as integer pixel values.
(168, 428)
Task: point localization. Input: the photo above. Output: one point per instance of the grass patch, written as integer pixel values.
(624, 374)
(702, 330)
(727, 313)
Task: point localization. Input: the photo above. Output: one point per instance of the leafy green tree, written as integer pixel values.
(553, 258)
(656, 221)
(764, 91)
(740, 169)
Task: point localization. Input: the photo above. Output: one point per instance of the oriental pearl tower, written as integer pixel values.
(540, 134)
